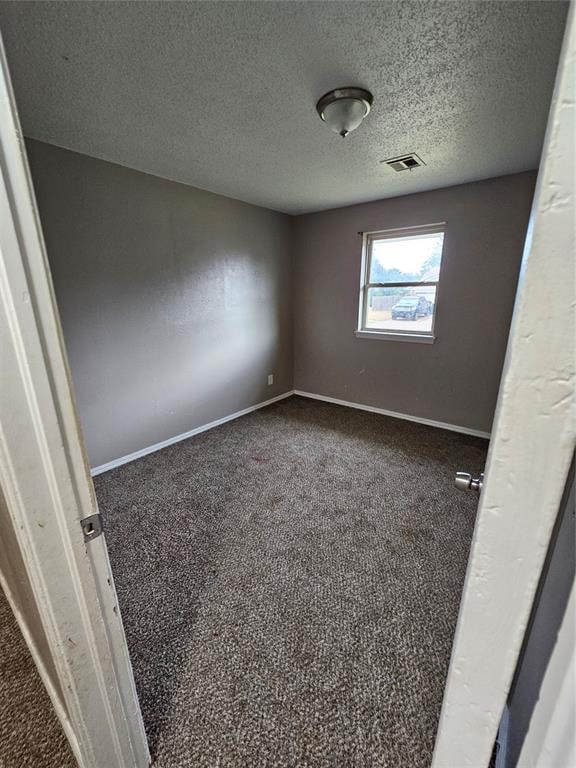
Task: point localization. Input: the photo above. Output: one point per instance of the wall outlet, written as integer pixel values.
(270, 379)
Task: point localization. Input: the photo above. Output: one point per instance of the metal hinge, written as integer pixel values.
(91, 527)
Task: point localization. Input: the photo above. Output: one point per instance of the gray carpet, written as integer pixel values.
(30, 733)
(290, 584)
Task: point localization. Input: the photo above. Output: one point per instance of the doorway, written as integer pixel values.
(338, 456)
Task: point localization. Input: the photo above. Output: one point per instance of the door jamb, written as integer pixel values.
(530, 453)
(47, 487)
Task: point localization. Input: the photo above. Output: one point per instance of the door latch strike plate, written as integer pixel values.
(91, 527)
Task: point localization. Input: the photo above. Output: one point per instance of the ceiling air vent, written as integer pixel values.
(404, 162)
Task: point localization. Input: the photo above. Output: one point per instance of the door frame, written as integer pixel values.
(531, 449)
(48, 490)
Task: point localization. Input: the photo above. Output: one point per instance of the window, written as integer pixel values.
(399, 291)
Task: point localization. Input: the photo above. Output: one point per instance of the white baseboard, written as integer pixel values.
(395, 414)
(184, 436)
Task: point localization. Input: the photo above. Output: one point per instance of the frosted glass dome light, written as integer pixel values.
(344, 109)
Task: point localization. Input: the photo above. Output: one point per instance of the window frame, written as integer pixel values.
(368, 238)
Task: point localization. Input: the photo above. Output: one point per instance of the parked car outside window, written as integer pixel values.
(411, 307)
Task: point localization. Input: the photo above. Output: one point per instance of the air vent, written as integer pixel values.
(404, 162)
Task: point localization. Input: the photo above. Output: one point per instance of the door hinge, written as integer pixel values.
(91, 527)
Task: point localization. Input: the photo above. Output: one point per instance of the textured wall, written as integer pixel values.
(175, 303)
(454, 380)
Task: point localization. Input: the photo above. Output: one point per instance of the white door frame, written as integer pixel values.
(48, 490)
(530, 453)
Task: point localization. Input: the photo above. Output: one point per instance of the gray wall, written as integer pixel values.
(454, 380)
(175, 303)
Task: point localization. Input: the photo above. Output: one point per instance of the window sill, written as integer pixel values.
(420, 338)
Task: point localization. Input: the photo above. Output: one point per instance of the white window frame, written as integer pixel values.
(368, 239)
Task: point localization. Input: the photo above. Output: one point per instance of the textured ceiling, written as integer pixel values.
(221, 95)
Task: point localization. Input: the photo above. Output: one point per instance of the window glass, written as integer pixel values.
(401, 309)
(402, 273)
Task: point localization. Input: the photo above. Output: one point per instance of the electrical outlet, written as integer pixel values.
(270, 379)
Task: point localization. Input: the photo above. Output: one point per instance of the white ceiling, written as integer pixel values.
(221, 95)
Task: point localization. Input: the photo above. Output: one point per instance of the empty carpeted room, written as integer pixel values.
(284, 241)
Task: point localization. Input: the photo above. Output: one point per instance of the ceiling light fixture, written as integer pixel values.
(344, 109)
